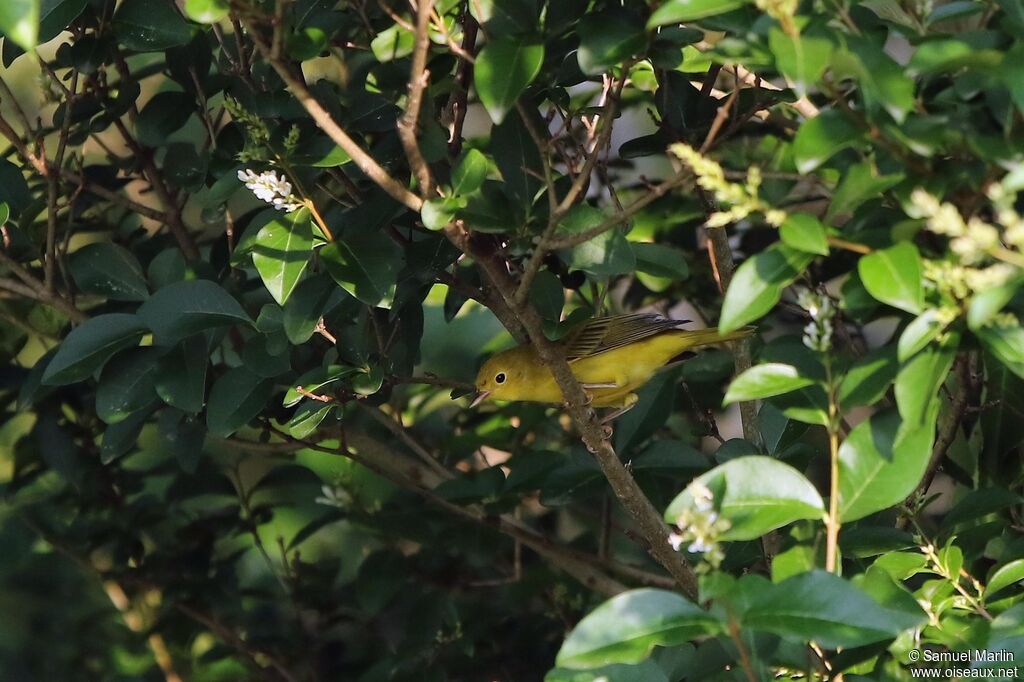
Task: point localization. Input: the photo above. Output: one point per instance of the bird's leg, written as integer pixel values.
(630, 401)
(608, 384)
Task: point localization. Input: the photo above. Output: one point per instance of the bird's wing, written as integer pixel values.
(603, 334)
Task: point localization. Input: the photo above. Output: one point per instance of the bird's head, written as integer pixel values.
(502, 376)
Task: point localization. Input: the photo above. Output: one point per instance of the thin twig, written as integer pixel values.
(419, 78)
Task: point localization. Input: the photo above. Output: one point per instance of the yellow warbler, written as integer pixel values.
(611, 357)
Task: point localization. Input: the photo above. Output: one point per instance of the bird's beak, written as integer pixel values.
(480, 397)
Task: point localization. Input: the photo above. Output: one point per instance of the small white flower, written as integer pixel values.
(676, 540)
(274, 190)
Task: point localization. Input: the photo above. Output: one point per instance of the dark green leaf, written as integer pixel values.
(188, 307)
(503, 69)
(365, 263)
(90, 345)
(607, 38)
(126, 384)
(181, 376)
(235, 398)
(163, 115)
(108, 270)
(825, 608)
(150, 26)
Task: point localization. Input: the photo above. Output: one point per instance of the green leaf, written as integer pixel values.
(893, 276)
(950, 54)
(825, 608)
(206, 11)
(681, 11)
(19, 21)
(470, 172)
(365, 263)
(188, 307)
(315, 380)
(919, 334)
(437, 213)
(820, 138)
(236, 397)
(609, 253)
(801, 58)
(308, 417)
(181, 376)
(764, 381)
(804, 232)
(163, 115)
(90, 345)
(126, 385)
(628, 626)
(877, 472)
(108, 270)
(659, 260)
(919, 380)
(883, 82)
(506, 17)
(645, 671)
(861, 183)
(150, 26)
(1006, 344)
(869, 378)
(303, 311)
(758, 283)
(755, 494)
(988, 303)
(503, 69)
(1004, 576)
(282, 251)
(607, 38)
(394, 42)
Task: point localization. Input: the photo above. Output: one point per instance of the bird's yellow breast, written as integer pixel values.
(629, 368)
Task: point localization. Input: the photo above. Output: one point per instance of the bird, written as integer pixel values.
(611, 357)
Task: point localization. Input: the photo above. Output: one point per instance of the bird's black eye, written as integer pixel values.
(500, 379)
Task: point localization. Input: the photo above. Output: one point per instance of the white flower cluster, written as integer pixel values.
(700, 526)
(274, 190)
(818, 332)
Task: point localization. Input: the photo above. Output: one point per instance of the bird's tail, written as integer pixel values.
(711, 336)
